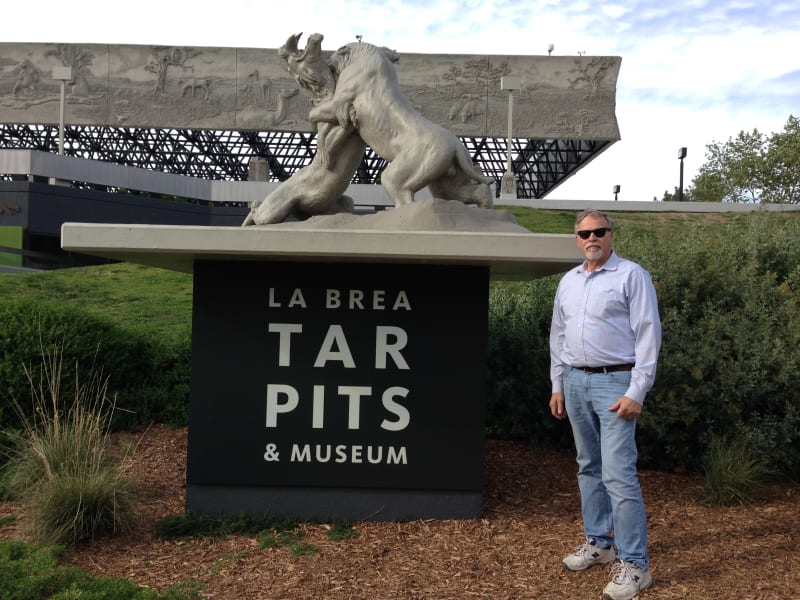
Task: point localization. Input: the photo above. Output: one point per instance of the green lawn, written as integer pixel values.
(134, 296)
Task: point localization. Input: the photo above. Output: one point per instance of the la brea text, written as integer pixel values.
(333, 298)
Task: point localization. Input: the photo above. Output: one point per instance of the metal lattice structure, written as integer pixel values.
(539, 164)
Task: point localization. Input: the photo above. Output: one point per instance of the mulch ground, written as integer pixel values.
(532, 518)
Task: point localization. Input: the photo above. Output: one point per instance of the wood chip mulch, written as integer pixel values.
(532, 518)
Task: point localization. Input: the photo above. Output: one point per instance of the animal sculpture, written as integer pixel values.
(368, 99)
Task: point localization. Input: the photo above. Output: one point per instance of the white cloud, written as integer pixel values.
(613, 11)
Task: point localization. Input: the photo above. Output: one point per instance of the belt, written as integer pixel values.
(606, 369)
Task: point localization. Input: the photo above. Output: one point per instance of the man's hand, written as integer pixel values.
(557, 405)
(626, 408)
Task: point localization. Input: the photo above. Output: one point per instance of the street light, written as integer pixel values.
(616, 191)
(508, 185)
(62, 74)
(681, 156)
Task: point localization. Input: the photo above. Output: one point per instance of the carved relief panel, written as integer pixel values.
(250, 89)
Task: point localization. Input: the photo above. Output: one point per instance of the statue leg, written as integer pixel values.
(396, 186)
(275, 212)
(331, 140)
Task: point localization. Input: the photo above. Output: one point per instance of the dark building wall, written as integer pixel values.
(48, 206)
(41, 209)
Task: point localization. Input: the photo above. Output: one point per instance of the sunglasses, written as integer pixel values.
(599, 232)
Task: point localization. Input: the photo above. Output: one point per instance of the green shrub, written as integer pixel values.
(729, 296)
(730, 353)
(34, 573)
(151, 376)
(27, 573)
(519, 364)
(80, 506)
(733, 472)
(62, 467)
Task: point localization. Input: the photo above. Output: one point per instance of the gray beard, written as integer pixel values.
(593, 254)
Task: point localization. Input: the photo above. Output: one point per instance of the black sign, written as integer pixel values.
(338, 375)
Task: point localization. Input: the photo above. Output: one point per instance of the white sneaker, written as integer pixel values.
(627, 580)
(587, 555)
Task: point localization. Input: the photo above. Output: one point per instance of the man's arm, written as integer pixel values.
(646, 325)
(556, 367)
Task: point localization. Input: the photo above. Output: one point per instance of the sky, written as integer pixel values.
(693, 73)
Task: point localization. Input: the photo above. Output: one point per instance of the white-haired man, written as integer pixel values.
(604, 343)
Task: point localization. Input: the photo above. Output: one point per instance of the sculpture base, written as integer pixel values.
(329, 390)
(351, 504)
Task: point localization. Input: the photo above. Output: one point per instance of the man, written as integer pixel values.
(604, 343)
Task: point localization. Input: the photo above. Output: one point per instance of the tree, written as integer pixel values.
(752, 167)
(783, 165)
(735, 169)
(674, 196)
(80, 60)
(708, 186)
(164, 57)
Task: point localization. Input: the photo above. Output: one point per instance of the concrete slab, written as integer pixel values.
(510, 256)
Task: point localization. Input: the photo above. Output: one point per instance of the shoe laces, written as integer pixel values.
(584, 548)
(621, 573)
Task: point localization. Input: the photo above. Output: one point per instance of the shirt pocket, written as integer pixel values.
(611, 304)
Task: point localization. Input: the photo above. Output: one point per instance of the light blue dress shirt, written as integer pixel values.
(606, 317)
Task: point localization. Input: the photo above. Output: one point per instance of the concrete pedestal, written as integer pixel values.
(356, 381)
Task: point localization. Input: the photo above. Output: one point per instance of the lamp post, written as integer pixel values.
(62, 74)
(616, 191)
(681, 156)
(508, 185)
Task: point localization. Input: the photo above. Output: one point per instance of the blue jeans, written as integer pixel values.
(611, 499)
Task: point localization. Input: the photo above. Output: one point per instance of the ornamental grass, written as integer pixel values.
(62, 467)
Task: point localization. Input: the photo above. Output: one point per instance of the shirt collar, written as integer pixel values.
(610, 265)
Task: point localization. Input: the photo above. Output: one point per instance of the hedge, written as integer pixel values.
(729, 296)
(150, 377)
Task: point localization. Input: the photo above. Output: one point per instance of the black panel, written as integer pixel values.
(352, 443)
